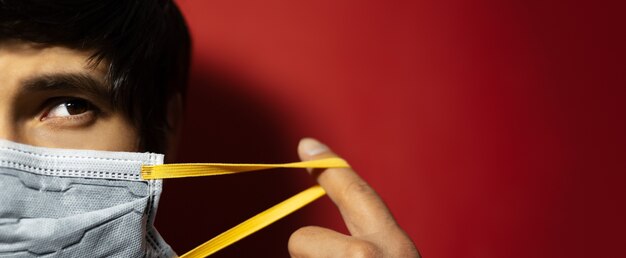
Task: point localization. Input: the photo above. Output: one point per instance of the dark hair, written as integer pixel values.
(145, 43)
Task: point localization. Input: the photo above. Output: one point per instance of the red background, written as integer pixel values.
(491, 128)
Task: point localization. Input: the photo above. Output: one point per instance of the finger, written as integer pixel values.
(322, 242)
(361, 208)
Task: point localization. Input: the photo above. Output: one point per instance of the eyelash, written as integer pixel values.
(53, 103)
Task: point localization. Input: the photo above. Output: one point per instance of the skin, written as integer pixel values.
(37, 115)
(373, 230)
(40, 106)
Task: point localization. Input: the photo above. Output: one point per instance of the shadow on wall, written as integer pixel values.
(223, 124)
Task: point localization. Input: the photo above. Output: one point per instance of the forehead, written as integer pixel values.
(20, 60)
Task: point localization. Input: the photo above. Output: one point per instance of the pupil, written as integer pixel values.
(75, 107)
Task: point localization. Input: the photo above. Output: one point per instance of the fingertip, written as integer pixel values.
(309, 147)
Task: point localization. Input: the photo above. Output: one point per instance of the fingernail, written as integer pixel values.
(313, 147)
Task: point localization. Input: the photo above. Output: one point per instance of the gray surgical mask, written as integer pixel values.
(85, 203)
(77, 203)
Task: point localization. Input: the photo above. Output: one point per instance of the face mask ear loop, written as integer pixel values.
(257, 222)
(213, 169)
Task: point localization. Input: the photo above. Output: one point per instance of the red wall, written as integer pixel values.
(491, 128)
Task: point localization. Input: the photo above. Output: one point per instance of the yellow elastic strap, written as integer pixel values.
(212, 169)
(257, 222)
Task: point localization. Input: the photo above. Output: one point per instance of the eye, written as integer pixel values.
(70, 107)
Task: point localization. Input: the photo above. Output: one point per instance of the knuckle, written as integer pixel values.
(403, 246)
(299, 237)
(362, 249)
(407, 250)
(357, 188)
(304, 232)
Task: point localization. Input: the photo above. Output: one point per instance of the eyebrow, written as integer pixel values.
(68, 82)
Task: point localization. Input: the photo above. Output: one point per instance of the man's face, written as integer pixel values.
(51, 97)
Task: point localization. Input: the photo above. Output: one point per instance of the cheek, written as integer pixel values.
(112, 134)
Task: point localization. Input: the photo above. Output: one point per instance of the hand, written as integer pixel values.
(373, 230)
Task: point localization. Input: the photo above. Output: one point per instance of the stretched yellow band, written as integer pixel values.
(213, 169)
(257, 222)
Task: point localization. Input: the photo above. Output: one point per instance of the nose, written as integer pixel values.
(8, 130)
